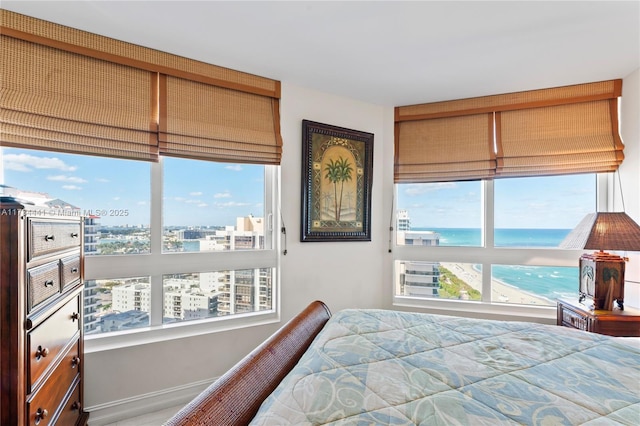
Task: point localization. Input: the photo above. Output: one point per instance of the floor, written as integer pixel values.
(155, 419)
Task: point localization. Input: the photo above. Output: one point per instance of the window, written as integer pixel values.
(206, 218)
(112, 194)
(534, 155)
(541, 211)
(167, 243)
(493, 241)
(442, 214)
(211, 206)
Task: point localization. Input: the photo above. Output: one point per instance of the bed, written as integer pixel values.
(370, 366)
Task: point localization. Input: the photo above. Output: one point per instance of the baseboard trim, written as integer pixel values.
(122, 409)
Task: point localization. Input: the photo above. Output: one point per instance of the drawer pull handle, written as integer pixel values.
(75, 316)
(42, 352)
(41, 414)
(74, 235)
(74, 270)
(48, 283)
(49, 237)
(75, 406)
(75, 361)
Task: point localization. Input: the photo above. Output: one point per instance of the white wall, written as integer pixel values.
(630, 176)
(130, 381)
(344, 274)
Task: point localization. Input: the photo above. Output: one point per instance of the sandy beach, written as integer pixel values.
(500, 292)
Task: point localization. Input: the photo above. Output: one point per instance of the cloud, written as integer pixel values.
(231, 204)
(234, 168)
(192, 201)
(65, 178)
(225, 194)
(417, 189)
(102, 180)
(27, 163)
(71, 187)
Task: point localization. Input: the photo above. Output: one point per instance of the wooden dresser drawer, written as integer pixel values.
(617, 322)
(43, 405)
(574, 320)
(42, 283)
(72, 409)
(70, 270)
(48, 340)
(47, 237)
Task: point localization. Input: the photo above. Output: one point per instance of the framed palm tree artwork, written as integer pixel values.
(337, 168)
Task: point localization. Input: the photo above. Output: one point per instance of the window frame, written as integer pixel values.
(487, 255)
(156, 264)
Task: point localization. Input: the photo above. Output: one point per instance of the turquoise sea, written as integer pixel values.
(503, 237)
(547, 281)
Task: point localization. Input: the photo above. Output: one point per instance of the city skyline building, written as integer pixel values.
(417, 279)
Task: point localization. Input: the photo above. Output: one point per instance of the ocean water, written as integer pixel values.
(470, 237)
(547, 281)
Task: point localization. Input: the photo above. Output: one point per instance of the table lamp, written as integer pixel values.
(602, 274)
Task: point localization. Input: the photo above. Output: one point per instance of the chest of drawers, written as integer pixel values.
(41, 303)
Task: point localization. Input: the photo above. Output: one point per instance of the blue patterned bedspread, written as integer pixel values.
(382, 367)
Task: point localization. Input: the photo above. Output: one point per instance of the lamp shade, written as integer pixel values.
(604, 231)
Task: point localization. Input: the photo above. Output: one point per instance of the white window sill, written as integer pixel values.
(144, 335)
(498, 311)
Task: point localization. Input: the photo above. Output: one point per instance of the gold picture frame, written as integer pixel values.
(337, 167)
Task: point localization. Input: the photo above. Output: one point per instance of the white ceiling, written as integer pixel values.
(387, 52)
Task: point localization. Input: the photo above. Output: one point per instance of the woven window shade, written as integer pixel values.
(444, 149)
(55, 100)
(107, 99)
(222, 125)
(564, 130)
(572, 137)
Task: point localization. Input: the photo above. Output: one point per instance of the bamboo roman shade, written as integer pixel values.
(224, 124)
(68, 90)
(570, 129)
(56, 100)
(445, 148)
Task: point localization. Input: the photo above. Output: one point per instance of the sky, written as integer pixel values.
(196, 193)
(542, 202)
(201, 193)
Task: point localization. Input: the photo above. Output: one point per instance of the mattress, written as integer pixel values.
(396, 368)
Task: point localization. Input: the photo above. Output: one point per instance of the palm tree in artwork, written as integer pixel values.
(338, 172)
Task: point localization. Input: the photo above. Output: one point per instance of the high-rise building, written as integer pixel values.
(403, 222)
(91, 305)
(131, 296)
(91, 224)
(246, 290)
(186, 299)
(420, 279)
(417, 279)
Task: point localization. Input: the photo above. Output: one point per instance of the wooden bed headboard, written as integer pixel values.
(236, 396)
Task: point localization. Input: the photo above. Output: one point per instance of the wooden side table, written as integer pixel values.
(574, 314)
